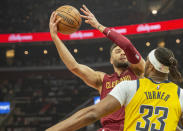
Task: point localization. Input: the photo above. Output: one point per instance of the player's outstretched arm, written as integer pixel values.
(88, 75)
(88, 115)
(133, 56)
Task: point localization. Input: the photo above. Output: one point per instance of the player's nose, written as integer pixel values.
(122, 54)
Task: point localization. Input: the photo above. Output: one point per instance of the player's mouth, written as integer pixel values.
(122, 58)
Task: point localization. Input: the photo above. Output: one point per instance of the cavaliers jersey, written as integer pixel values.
(115, 121)
(152, 107)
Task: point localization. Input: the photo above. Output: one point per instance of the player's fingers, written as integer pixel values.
(84, 6)
(57, 21)
(86, 13)
(90, 18)
(54, 17)
(83, 16)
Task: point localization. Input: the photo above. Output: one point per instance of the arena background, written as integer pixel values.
(35, 81)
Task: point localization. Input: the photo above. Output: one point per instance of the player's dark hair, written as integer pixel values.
(166, 57)
(112, 47)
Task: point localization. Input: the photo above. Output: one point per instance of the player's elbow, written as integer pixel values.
(139, 72)
(74, 68)
(142, 66)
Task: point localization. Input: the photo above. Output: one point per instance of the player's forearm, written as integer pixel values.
(78, 120)
(64, 53)
(131, 52)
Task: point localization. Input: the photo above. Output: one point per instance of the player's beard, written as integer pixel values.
(121, 64)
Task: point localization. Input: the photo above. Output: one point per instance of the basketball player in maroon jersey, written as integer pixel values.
(126, 60)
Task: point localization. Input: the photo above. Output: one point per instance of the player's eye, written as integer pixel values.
(117, 51)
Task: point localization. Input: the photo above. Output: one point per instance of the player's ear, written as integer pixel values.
(152, 68)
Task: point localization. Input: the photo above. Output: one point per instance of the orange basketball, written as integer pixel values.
(70, 19)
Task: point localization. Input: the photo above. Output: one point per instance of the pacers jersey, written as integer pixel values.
(154, 107)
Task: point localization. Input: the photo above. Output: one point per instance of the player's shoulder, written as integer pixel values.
(146, 79)
(174, 84)
(129, 87)
(100, 76)
(100, 73)
(130, 83)
(109, 75)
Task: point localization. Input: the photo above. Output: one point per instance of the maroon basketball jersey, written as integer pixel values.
(115, 121)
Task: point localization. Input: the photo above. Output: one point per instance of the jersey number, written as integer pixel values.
(150, 113)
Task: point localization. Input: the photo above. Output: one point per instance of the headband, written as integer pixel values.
(157, 65)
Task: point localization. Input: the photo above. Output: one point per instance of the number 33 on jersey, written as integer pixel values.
(158, 107)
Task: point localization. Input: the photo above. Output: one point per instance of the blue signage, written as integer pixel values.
(96, 99)
(4, 107)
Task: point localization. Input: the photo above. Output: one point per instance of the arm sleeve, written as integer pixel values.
(131, 52)
(124, 91)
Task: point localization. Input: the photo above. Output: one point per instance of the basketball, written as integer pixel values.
(70, 19)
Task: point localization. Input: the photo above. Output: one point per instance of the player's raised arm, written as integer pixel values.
(137, 63)
(88, 75)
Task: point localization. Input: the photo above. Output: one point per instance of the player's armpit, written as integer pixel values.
(91, 77)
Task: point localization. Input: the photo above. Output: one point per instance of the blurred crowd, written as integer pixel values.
(41, 101)
(33, 16)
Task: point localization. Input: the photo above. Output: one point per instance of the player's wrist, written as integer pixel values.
(101, 28)
(54, 35)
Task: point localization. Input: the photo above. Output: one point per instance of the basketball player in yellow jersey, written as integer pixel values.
(152, 103)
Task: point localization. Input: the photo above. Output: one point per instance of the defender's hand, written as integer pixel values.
(89, 17)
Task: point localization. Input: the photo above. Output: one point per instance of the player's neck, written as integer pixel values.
(119, 70)
(158, 78)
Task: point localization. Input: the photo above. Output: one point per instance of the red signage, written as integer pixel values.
(93, 34)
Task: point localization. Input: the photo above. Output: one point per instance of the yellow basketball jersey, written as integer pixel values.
(154, 107)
